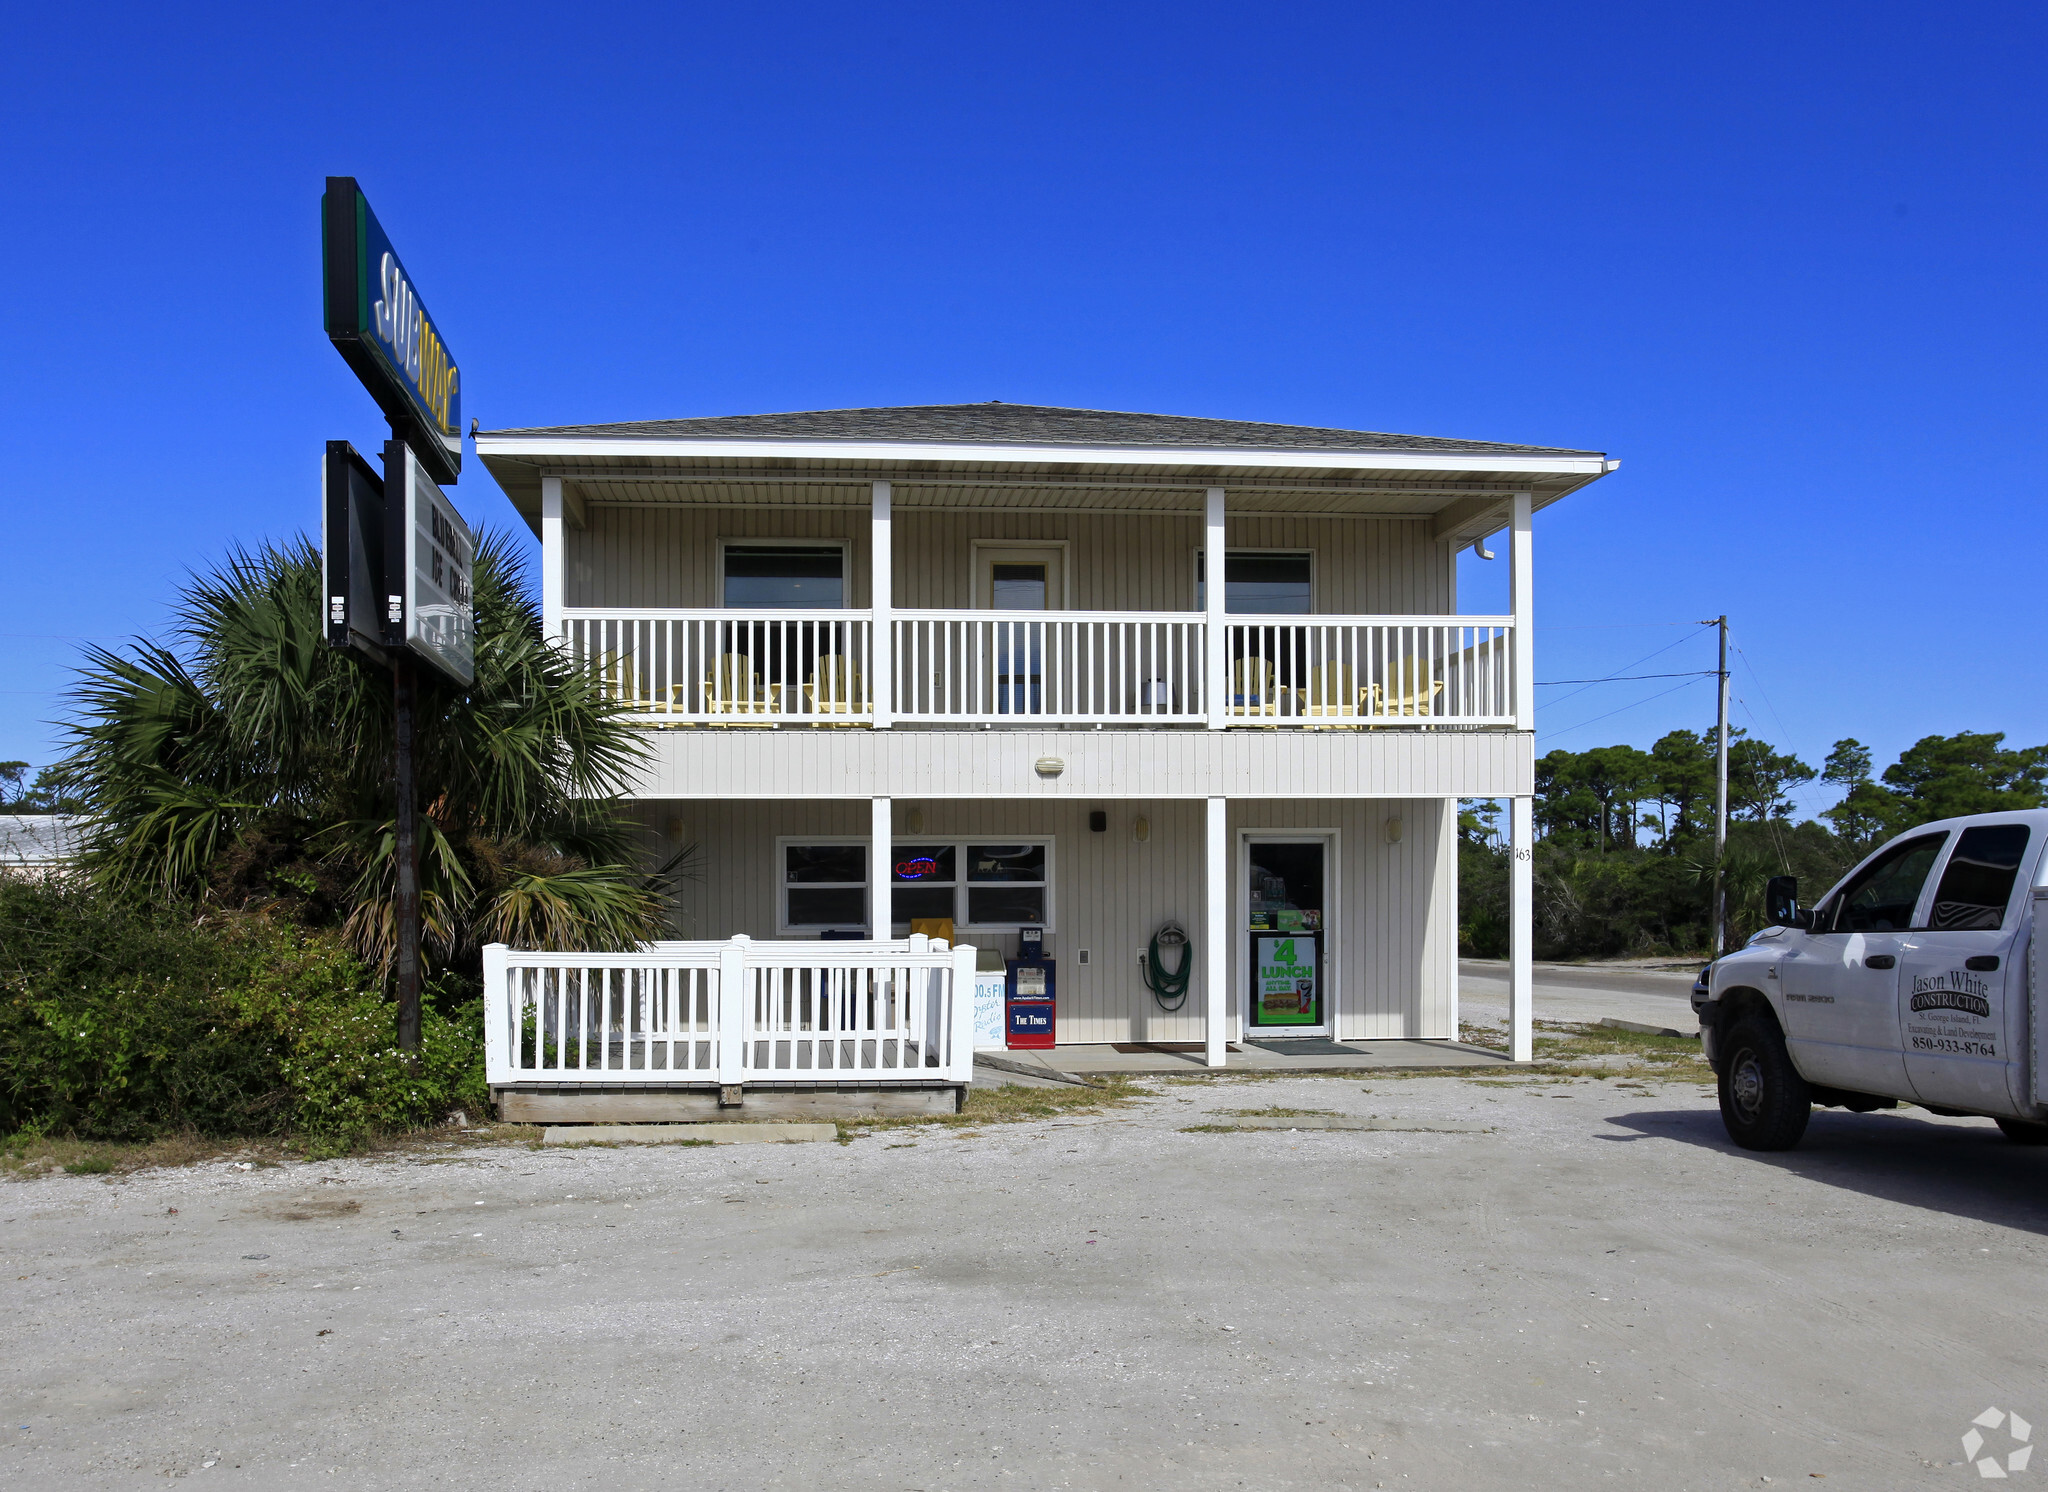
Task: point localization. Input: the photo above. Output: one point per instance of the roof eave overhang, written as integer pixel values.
(518, 460)
(895, 452)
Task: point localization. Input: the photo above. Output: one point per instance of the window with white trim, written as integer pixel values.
(991, 884)
(825, 885)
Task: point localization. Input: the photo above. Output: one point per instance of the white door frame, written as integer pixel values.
(1241, 939)
(990, 551)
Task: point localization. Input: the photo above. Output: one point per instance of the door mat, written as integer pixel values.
(1135, 1048)
(1308, 1046)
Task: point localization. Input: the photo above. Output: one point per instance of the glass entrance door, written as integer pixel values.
(1285, 896)
(1020, 580)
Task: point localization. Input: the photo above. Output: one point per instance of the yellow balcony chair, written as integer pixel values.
(1253, 691)
(733, 688)
(835, 689)
(1408, 696)
(1334, 700)
(620, 680)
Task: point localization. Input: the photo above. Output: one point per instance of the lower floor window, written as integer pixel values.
(984, 884)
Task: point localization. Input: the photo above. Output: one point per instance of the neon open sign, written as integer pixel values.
(916, 870)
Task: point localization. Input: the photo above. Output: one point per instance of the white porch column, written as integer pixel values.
(1217, 651)
(1522, 590)
(881, 920)
(1521, 927)
(1216, 929)
(881, 600)
(552, 560)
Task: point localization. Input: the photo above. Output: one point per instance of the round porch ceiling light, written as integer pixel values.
(1049, 766)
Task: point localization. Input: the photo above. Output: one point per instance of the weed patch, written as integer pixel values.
(1011, 1103)
(1275, 1111)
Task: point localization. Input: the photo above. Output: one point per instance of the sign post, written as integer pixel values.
(398, 558)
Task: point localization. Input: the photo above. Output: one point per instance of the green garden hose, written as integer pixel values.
(1170, 988)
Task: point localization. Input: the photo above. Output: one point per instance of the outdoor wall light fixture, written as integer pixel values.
(1141, 828)
(1394, 829)
(675, 828)
(914, 821)
(1049, 766)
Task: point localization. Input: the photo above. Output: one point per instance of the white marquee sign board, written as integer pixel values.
(434, 616)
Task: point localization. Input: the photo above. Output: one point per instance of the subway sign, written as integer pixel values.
(375, 317)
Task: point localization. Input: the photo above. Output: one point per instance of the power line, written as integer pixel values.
(1622, 678)
(1658, 695)
(1637, 664)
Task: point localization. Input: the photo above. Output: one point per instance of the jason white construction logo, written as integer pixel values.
(2017, 1433)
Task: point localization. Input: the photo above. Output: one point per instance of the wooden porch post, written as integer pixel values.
(881, 603)
(881, 920)
(1216, 929)
(1217, 682)
(552, 562)
(1521, 928)
(1521, 590)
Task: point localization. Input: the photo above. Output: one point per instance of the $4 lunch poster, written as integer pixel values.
(1285, 973)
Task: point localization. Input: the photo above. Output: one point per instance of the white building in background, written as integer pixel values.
(959, 669)
(38, 843)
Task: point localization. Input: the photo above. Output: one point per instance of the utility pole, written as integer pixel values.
(1720, 787)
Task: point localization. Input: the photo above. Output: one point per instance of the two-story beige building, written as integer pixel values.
(964, 666)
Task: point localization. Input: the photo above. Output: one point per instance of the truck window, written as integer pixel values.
(1978, 881)
(1884, 893)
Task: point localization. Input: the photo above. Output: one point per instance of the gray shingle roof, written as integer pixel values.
(1038, 424)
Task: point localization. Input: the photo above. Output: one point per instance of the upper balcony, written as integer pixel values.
(810, 668)
(997, 566)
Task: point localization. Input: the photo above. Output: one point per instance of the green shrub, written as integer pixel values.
(123, 1019)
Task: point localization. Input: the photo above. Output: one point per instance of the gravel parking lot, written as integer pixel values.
(1596, 1289)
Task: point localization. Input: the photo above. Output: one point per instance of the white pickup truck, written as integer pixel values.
(1910, 980)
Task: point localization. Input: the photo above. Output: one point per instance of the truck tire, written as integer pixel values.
(2020, 1132)
(1765, 1103)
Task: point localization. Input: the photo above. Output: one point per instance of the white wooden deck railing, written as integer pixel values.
(1339, 671)
(1067, 666)
(747, 668)
(677, 1014)
(729, 667)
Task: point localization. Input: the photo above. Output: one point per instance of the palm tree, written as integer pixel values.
(251, 762)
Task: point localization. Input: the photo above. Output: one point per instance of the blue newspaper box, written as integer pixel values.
(1031, 1003)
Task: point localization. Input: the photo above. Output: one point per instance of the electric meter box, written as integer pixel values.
(1031, 1004)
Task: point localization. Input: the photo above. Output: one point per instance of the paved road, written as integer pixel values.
(1570, 992)
(1598, 1292)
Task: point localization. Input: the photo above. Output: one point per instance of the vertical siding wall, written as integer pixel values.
(668, 556)
(1396, 904)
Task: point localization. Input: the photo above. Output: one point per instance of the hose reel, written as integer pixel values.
(1170, 987)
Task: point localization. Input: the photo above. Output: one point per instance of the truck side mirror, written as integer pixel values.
(1781, 902)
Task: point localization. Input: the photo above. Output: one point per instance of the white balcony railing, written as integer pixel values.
(1334, 671)
(683, 1014)
(989, 667)
(730, 667)
(747, 668)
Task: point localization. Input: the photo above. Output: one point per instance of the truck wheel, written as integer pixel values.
(2020, 1132)
(1765, 1103)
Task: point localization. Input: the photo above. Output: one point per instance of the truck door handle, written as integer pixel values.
(1879, 961)
(1983, 963)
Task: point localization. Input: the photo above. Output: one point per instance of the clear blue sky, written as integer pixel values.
(1784, 261)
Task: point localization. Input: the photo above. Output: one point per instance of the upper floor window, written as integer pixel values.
(1260, 582)
(782, 576)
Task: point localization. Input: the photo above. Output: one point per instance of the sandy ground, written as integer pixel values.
(1599, 1291)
